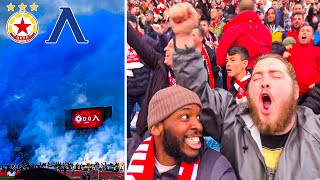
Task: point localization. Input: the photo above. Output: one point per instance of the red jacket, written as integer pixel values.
(294, 33)
(305, 60)
(246, 30)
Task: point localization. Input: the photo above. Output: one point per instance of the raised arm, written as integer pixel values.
(204, 9)
(190, 72)
(146, 52)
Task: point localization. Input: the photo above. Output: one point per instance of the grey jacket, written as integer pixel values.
(232, 126)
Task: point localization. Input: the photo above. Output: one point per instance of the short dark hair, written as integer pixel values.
(41, 174)
(242, 51)
(149, 12)
(298, 13)
(204, 19)
(201, 30)
(131, 17)
(298, 3)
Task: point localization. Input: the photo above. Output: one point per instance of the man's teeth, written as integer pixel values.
(194, 140)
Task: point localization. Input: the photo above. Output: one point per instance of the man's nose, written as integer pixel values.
(196, 124)
(265, 82)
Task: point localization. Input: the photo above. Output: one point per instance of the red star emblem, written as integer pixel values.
(130, 49)
(22, 26)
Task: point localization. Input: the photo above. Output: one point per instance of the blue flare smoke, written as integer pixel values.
(38, 82)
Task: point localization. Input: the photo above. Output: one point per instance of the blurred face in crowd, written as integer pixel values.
(284, 2)
(149, 17)
(169, 50)
(236, 66)
(214, 14)
(298, 9)
(261, 15)
(298, 21)
(305, 35)
(263, 1)
(182, 132)
(223, 4)
(197, 37)
(220, 12)
(272, 97)
(135, 11)
(205, 26)
(271, 16)
(318, 29)
(275, 4)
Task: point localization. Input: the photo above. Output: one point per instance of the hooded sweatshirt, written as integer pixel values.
(245, 30)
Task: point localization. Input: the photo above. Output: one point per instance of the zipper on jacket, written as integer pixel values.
(256, 149)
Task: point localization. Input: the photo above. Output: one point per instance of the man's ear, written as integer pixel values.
(245, 63)
(296, 92)
(157, 129)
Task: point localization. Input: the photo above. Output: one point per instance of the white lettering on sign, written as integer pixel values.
(86, 119)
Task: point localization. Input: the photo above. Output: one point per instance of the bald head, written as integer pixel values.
(245, 5)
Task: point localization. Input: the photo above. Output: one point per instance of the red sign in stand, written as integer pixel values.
(87, 118)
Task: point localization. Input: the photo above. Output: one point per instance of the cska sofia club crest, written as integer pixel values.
(22, 26)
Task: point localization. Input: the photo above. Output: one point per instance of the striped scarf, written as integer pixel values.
(143, 161)
(206, 59)
(172, 80)
(240, 86)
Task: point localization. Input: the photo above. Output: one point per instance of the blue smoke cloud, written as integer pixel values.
(38, 82)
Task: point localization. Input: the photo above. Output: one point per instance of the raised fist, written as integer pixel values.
(183, 19)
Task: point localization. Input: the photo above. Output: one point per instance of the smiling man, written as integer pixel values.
(175, 149)
(267, 138)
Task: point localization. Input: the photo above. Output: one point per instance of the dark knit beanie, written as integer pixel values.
(168, 100)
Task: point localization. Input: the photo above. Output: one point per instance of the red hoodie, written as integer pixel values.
(305, 59)
(246, 30)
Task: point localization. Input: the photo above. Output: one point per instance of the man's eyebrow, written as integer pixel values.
(270, 71)
(186, 108)
(258, 72)
(276, 71)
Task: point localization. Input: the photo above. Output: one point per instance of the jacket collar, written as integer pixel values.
(253, 129)
(246, 16)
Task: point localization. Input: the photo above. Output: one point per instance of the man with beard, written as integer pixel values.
(175, 149)
(267, 138)
(298, 22)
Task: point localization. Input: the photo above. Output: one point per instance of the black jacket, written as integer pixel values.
(313, 100)
(159, 77)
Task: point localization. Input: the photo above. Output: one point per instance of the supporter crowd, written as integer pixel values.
(223, 51)
(281, 20)
(61, 166)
